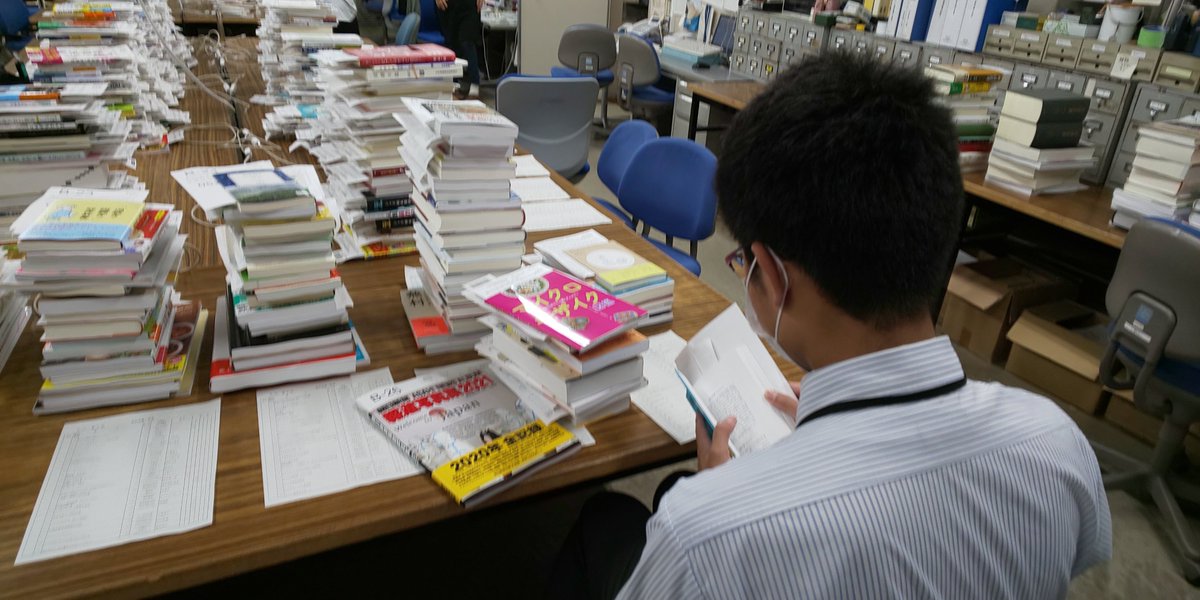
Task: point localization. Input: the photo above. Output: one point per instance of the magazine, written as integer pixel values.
(468, 429)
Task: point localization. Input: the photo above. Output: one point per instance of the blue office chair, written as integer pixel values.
(669, 187)
(431, 29)
(588, 50)
(409, 27)
(626, 139)
(14, 24)
(638, 72)
(553, 117)
(1154, 349)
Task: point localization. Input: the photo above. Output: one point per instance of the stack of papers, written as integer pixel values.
(113, 329)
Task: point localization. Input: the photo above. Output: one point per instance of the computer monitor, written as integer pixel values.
(723, 33)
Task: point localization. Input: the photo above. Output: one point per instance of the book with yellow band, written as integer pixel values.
(84, 224)
(618, 269)
(466, 427)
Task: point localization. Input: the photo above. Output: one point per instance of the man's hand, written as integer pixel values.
(713, 452)
(442, 4)
(784, 403)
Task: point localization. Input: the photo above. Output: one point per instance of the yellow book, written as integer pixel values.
(96, 224)
(617, 268)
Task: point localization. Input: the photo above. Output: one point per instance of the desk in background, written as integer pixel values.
(686, 76)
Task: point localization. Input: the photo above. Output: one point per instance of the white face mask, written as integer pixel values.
(755, 324)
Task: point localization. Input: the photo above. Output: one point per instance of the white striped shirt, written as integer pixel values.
(985, 492)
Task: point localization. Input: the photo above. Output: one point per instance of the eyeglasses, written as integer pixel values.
(737, 262)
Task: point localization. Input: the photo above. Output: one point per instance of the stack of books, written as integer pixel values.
(14, 316)
(968, 93)
(567, 348)
(616, 269)
(103, 263)
(1165, 180)
(468, 223)
(1037, 149)
(284, 314)
(358, 134)
(290, 32)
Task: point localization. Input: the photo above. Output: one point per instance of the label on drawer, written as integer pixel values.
(1065, 86)
(1065, 43)
(1030, 37)
(935, 60)
(1029, 78)
(1138, 54)
(1124, 66)
(1103, 93)
(906, 55)
(1100, 48)
(1001, 33)
(1157, 106)
(1177, 72)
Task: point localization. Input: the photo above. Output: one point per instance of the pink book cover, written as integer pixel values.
(402, 55)
(566, 309)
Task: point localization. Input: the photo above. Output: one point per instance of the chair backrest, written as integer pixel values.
(624, 141)
(669, 185)
(637, 65)
(553, 116)
(587, 48)
(1161, 259)
(407, 33)
(429, 17)
(14, 18)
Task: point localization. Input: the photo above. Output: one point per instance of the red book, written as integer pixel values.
(974, 146)
(401, 55)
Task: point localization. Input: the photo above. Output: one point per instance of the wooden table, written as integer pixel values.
(245, 535)
(1085, 213)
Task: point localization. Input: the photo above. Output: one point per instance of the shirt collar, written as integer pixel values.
(907, 369)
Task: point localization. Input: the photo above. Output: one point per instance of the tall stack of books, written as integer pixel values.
(290, 32)
(468, 224)
(967, 92)
(619, 271)
(358, 133)
(567, 348)
(284, 315)
(14, 316)
(103, 264)
(1165, 180)
(1037, 148)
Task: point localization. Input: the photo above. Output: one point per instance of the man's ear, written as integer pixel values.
(770, 273)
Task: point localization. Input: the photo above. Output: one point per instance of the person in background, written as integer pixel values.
(371, 27)
(901, 479)
(463, 29)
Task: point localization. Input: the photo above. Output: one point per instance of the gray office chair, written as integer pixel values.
(637, 70)
(554, 118)
(588, 50)
(1154, 349)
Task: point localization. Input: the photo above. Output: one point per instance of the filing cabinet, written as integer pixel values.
(882, 48)
(745, 22)
(1190, 106)
(1150, 103)
(936, 55)
(793, 31)
(1107, 95)
(999, 40)
(757, 46)
(1147, 61)
(814, 38)
(1097, 57)
(1028, 77)
(1122, 164)
(789, 55)
(737, 63)
(1067, 82)
(761, 23)
(1099, 131)
(1103, 126)
(860, 43)
(841, 40)
(1062, 50)
(907, 54)
(754, 67)
(770, 50)
(1029, 45)
(1004, 66)
(1179, 71)
(741, 43)
(777, 27)
(769, 69)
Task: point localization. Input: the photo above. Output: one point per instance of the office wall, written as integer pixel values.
(542, 24)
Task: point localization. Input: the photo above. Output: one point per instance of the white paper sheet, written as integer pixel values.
(556, 248)
(200, 184)
(125, 478)
(528, 166)
(562, 214)
(664, 399)
(537, 189)
(314, 440)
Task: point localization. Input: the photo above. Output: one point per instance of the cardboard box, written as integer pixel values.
(984, 299)
(1057, 347)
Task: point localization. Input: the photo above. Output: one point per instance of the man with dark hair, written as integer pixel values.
(840, 184)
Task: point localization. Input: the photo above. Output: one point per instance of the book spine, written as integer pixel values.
(388, 171)
(387, 225)
(382, 204)
(1057, 135)
(1062, 110)
(23, 119)
(37, 156)
(403, 72)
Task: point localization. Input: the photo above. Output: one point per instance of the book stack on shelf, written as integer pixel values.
(133, 49)
(590, 256)
(567, 348)
(968, 93)
(14, 316)
(1165, 179)
(102, 263)
(283, 317)
(1037, 148)
(358, 138)
(468, 223)
(289, 33)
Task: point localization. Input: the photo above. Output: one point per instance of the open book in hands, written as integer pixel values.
(727, 371)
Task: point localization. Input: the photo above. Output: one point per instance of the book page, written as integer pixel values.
(529, 166)
(537, 189)
(124, 478)
(664, 399)
(562, 214)
(314, 440)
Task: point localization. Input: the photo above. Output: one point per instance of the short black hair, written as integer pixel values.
(848, 167)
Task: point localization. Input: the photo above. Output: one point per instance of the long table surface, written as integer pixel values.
(245, 535)
(1086, 212)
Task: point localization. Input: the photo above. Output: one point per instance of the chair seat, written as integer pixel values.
(615, 210)
(604, 77)
(679, 256)
(1179, 374)
(431, 37)
(656, 95)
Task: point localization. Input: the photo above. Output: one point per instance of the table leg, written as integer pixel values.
(693, 117)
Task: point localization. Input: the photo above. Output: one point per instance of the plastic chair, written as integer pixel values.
(669, 186)
(554, 118)
(407, 33)
(430, 29)
(588, 50)
(637, 70)
(1154, 349)
(14, 24)
(626, 139)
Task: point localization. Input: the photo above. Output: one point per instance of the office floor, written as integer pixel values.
(507, 551)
